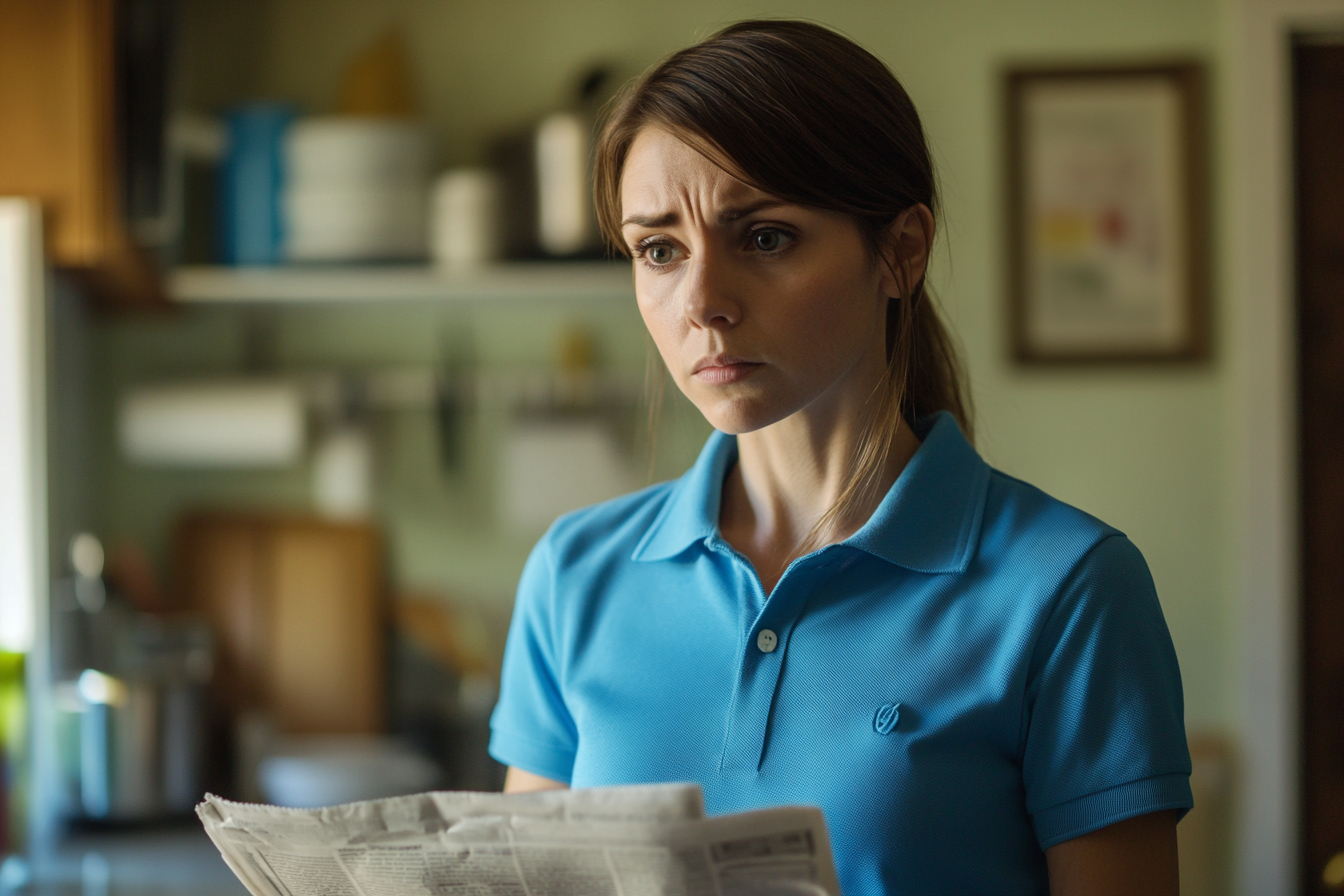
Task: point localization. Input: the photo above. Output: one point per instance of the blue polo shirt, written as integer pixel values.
(977, 674)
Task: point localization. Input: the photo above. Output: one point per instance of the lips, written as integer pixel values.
(719, 370)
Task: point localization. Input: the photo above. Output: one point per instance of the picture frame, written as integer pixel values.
(1106, 220)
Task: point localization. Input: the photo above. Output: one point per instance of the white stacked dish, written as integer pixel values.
(356, 189)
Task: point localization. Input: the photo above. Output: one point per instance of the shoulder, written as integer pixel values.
(584, 561)
(597, 550)
(607, 531)
(1021, 518)
(1035, 544)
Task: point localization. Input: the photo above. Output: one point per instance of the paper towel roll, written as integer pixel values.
(239, 424)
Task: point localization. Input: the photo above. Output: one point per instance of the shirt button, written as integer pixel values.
(767, 641)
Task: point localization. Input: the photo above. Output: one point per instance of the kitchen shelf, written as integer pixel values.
(304, 284)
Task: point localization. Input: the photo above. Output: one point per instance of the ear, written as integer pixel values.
(909, 239)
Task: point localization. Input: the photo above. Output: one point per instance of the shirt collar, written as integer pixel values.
(929, 521)
(691, 514)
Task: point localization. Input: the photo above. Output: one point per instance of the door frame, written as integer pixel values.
(1257, 223)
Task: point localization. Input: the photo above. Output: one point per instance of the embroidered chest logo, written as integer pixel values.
(888, 714)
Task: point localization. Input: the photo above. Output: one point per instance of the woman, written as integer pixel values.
(840, 604)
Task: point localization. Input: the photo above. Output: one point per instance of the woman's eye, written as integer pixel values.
(657, 254)
(769, 240)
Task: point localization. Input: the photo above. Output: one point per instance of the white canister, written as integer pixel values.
(464, 220)
(342, 473)
(565, 222)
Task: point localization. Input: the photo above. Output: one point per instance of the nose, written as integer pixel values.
(710, 298)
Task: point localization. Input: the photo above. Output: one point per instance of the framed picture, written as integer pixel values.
(1106, 217)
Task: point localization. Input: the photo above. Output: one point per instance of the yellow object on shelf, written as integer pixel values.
(378, 81)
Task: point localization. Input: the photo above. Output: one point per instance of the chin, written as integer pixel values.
(738, 416)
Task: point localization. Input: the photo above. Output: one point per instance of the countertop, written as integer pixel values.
(163, 860)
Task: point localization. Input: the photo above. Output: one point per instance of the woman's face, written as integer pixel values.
(760, 308)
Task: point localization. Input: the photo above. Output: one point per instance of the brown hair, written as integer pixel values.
(803, 113)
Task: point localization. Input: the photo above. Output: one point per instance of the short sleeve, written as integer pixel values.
(531, 727)
(1105, 728)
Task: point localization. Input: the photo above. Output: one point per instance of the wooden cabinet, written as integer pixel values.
(58, 140)
(296, 607)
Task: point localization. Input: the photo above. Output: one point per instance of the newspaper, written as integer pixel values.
(620, 841)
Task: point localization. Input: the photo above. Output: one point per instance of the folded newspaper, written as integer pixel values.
(623, 841)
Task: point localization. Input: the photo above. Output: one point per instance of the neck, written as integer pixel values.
(790, 474)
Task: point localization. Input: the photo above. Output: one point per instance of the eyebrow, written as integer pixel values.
(733, 213)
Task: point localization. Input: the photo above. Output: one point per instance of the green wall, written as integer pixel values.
(1142, 448)
(440, 519)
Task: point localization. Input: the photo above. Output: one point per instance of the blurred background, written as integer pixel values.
(308, 337)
